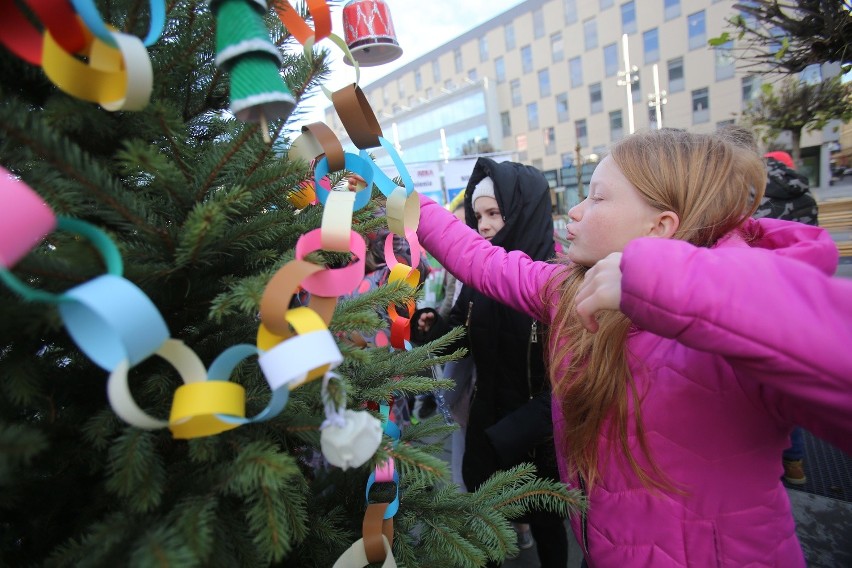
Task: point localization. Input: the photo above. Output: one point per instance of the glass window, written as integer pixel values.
(636, 89)
(697, 30)
(436, 71)
(604, 4)
(532, 115)
(418, 80)
(675, 75)
(549, 140)
(616, 126)
(575, 71)
(526, 59)
(750, 89)
(610, 53)
(544, 83)
(724, 61)
(401, 88)
(506, 124)
(651, 45)
(595, 98)
(567, 159)
(462, 109)
(570, 10)
(700, 106)
(538, 23)
(500, 69)
(471, 74)
(628, 17)
(590, 34)
(509, 34)
(562, 107)
(457, 59)
(671, 9)
(557, 48)
(581, 132)
(483, 49)
(515, 88)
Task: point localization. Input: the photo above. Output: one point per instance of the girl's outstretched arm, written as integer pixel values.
(776, 320)
(511, 278)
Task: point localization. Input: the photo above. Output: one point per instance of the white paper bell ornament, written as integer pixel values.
(352, 443)
(368, 33)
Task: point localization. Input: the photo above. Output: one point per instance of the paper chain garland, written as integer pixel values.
(294, 346)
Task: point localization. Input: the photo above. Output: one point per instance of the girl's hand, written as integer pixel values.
(424, 323)
(355, 183)
(600, 290)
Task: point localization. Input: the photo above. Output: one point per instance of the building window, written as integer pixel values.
(500, 69)
(544, 83)
(570, 10)
(471, 74)
(595, 98)
(526, 59)
(549, 140)
(590, 34)
(671, 9)
(725, 123)
(628, 17)
(436, 72)
(429, 93)
(697, 30)
(700, 106)
(509, 34)
(616, 126)
(385, 96)
(483, 49)
(750, 89)
(724, 61)
(636, 89)
(581, 132)
(567, 159)
(575, 71)
(652, 116)
(532, 116)
(401, 89)
(515, 88)
(562, 107)
(610, 53)
(651, 45)
(506, 124)
(675, 75)
(418, 80)
(538, 23)
(557, 48)
(457, 59)
(521, 147)
(604, 4)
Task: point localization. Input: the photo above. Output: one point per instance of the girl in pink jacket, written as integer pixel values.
(686, 340)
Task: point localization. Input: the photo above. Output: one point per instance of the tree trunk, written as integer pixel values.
(796, 137)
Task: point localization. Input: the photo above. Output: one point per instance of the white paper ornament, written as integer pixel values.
(354, 442)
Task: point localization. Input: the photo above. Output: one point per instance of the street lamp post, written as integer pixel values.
(657, 99)
(626, 79)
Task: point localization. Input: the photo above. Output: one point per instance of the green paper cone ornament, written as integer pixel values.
(240, 30)
(258, 92)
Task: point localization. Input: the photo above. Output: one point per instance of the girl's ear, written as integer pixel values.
(667, 224)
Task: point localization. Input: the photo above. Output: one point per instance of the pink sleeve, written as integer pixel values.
(511, 278)
(777, 321)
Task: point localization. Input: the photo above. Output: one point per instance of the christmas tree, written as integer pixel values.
(199, 205)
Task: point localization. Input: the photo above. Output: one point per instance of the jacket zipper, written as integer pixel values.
(533, 339)
(584, 521)
(470, 354)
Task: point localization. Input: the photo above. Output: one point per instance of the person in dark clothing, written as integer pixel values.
(788, 197)
(787, 194)
(510, 415)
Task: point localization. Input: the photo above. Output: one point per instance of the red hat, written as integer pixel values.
(782, 157)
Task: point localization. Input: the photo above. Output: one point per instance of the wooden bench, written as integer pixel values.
(836, 216)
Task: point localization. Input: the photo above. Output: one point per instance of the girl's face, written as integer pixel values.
(612, 215)
(489, 220)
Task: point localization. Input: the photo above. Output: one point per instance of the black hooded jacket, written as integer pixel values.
(510, 412)
(787, 195)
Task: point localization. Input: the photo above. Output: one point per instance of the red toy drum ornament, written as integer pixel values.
(368, 32)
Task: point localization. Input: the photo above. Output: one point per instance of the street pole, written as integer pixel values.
(657, 102)
(579, 172)
(628, 82)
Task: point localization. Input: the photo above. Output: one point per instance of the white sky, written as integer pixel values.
(420, 25)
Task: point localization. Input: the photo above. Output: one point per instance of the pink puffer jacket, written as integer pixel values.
(731, 347)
